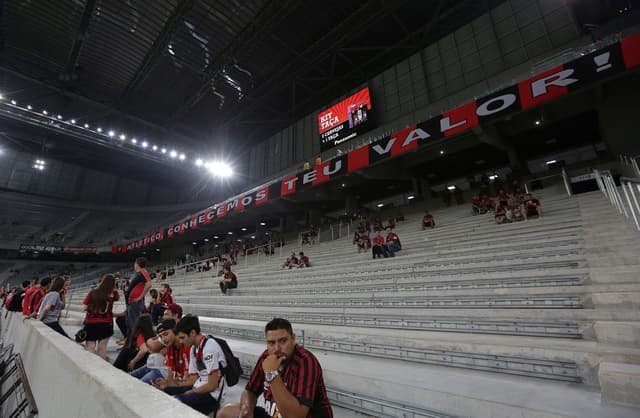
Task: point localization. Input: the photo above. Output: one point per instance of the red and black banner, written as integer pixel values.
(552, 84)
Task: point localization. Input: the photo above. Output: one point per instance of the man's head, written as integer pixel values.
(173, 311)
(188, 330)
(281, 340)
(26, 284)
(301, 253)
(140, 263)
(226, 269)
(388, 229)
(166, 332)
(44, 283)
(377, 232)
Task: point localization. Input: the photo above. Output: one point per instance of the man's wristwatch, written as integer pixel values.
(269, 376)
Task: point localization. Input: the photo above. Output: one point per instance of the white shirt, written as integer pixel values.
(210, 356)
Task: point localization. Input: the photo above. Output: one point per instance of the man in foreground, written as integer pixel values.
(137, 290)
(289, 376)
(206, 360)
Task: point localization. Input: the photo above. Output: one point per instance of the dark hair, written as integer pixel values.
(57, 285)
(26, 283)
(153, 293)
(301, 253)
(45, 282)
(144, 326)
(187, 324)
(278, 323)
(99, 297)
(141, 262)
(166, 286)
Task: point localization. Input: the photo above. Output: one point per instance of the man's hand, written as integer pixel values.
(272, 363)
(160, 383)
(245, 412)
(131, 365)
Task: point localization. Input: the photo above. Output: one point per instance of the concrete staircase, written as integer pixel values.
(529, 319)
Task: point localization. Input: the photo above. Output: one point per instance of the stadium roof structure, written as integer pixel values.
(209, 73)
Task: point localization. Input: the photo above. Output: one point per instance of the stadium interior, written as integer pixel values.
(200, 134)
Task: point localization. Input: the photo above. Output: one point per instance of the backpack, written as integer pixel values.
(233, 371)
(15, 305)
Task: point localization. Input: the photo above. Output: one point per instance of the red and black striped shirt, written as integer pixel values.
(302, 377)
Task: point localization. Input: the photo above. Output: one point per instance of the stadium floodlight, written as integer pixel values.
(452, 188)
(155, 148)
(164, 150)
(206, 240)
(537, 123)
(199, 162)
(1, 97)
(99, 129)
(263, 224)
(551, 162)
(380, 205)
(134, 141)
(44, 112)
(73, 121)
(230, 233)
(441, 152)
(29, 107)
(215, 237)
(493, 177)
(220, 169)
(239, 240)
(182, 157)
(411, 197)
(157, 249)
(13, 102)
(123, 137)
(253, 237)
(144, 144)
(194, 243)
(173, 154)
(59, 116)
(111, 134)
(243, 229)
(86, 125)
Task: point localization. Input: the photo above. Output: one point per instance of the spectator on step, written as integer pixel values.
(136, 291)
(514, 211)
(393, 242)
(378, 248)
(155, 300)
(303, 261)
(531, 207)
(206, 360)
(229, 280)
(98, 322)
(33, 298)
(364, 243)
(15, 299)
(52, 306)
(391, 222)
(503, 198)
(486, 204)
(134, 354)
(165, 299)
(291, 262)
(500, 214)
(155, 367)
(476, 204)
(428, 221)
(173, 311)
(176, 360)
(288, 375)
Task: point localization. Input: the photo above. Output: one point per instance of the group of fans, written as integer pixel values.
(508, 208)
(176, 357)
(380, 246)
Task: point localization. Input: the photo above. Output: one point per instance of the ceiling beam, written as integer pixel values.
(72, 60)
(156, 49)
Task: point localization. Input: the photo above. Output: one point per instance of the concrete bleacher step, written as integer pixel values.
(431, 390)
(556, 359)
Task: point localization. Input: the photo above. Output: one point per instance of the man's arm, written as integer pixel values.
(288, 405)
(248, 402)
(210, 386)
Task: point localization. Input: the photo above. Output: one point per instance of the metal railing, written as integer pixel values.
(16, 398)
(248, 250)
(629, 206)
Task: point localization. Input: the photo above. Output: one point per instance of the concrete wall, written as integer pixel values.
(69, 382)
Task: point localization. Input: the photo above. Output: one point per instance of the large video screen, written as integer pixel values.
(344, 120)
